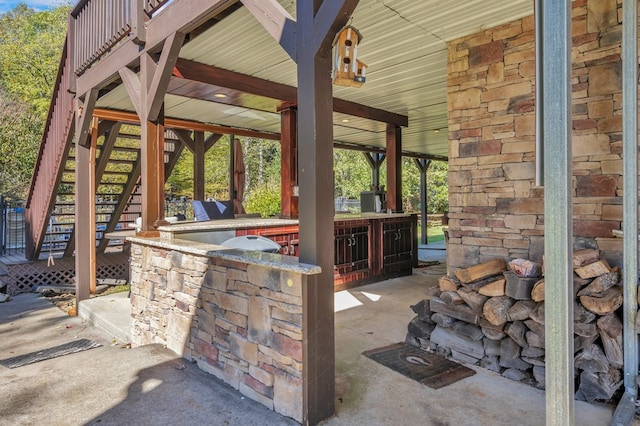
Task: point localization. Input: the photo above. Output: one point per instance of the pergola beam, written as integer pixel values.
(196, 72)
(175, 123)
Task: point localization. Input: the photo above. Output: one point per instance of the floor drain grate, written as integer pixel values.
(66, 349)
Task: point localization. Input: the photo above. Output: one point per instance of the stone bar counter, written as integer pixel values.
(368, 247)
(237, 314)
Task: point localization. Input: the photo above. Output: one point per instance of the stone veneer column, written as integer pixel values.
(239, 322)
(495, 209)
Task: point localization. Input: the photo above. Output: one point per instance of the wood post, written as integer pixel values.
(85, 225)
(289, 162)
(198, 165)
(147, 95)
(394, 168)
(375, 160)
(423, 166)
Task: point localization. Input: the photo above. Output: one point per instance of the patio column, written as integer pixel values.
(558, 223)
(289, 162)
(423, 166)
(627, 406)
(146, 91)
(198, 165)
(85, 225)
(318, 22)
(394, 168)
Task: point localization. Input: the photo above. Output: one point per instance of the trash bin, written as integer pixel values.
(252, 243)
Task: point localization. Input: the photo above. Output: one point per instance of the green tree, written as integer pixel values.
(20, 132)
(30, 47)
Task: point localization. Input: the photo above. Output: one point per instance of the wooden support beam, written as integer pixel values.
(84, 114)
(375, 160)
(315, 168)
(289, 163)
(394, 168)
(277, 21)
(186, 139)
(175, 123)
(85, 260)
(423, 166)
(192, 71)
(198, 166)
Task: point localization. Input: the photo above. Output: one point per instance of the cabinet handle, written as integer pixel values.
(350, 244)
(398, 236)
(354, 241)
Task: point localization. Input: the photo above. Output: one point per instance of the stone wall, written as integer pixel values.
(495, 209)
(240, 322)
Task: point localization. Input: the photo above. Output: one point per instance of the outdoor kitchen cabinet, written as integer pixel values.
(352, 251)
(398, 243)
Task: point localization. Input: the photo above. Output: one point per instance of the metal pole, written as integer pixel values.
(630, 185)
(537, 14)
(626, 407)
(556, 139)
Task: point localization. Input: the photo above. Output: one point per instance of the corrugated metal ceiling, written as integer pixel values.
(404, 46)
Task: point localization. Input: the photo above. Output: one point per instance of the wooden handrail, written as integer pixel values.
(97, 26)
(54, 146)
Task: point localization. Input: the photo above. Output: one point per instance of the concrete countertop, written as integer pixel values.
(271, 260)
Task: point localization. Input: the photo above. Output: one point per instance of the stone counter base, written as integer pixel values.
(239, 322)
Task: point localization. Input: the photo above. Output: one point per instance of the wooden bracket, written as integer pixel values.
(84, 115)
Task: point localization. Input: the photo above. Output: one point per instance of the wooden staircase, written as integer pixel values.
(50, 205)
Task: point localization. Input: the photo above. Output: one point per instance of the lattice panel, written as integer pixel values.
(24, 277)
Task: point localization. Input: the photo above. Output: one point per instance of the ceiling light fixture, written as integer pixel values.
(220, 95)
(436, 131)
(345, 120)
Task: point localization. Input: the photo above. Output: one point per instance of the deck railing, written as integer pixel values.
(56, 140)
(97, 26)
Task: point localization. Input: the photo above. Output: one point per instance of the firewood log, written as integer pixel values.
(451, 297)
(584, 257)
(535, 326)
(600, 385)
(443, 320)
(447, 283)
(537, 294)
(473, 299)
(422, 310)
(534, 339)
(448, 338)
(493, 332)
(539, 374)
(495, 309)
(610, 329)
(432, 292)
(601, 284)
(592, 359)
(470, 331)
(491, 347)
(516, 330)
(483, 270)
(520, 310)
(531, 352)
(608, 303)
(585, 330)
(581, 314)
(537, 314)
(594, 269)
(461, 312)
(496, 288)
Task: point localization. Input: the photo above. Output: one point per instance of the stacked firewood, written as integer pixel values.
(492, 315)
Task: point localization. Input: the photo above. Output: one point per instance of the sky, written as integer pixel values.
(6, 5)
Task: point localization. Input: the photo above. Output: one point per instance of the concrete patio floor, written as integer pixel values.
(151, 385)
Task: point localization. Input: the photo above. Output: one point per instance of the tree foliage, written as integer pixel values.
(30, 47)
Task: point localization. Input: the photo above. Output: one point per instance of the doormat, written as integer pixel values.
(429, 369)
(33, 357)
